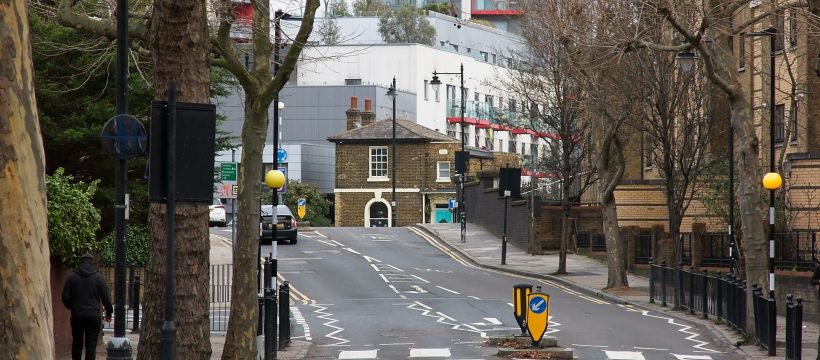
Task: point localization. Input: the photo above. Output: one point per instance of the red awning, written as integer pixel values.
(467, 120)
(482, 124)
(519, 131)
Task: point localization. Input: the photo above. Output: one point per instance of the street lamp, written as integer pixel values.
(391, 92)
(462, 161)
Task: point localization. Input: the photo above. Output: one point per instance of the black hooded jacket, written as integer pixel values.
(83, 291)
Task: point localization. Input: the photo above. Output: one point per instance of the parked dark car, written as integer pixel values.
(285, 224)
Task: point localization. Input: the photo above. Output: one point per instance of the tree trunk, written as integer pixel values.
(755, 244)
(179, 46)
(562, 254)
(26, 318)
(241, 336)
(611, 171)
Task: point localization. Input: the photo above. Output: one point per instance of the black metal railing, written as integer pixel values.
(643, 247)
(765, 315)
(723, 297)
(795, 250)
(794, 328)
(593, 242)
(717, 250)
(686, 248)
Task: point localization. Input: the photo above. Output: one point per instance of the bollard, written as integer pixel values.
(284, 315)
(705, 294)
(798, 329)
(663, 283)
(520, 294)
(789, 327)
(135, 305)
(691, 290)
(270, 324)
(652, 274)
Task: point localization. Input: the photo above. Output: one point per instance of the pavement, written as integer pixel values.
(589, 275)
(585, 274)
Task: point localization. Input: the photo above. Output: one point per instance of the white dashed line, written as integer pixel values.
(446, 289)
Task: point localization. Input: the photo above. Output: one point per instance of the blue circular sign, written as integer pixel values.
(538, 305)
(281, 155)
(300, 202)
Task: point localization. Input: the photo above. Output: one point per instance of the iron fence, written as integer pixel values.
(643, 247)
(765, 317)
(717, 295)
(219, 299)
(794, 328)
(796, 250)
(717, 250)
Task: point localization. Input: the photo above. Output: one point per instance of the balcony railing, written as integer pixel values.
(483, 111)
(495, 5)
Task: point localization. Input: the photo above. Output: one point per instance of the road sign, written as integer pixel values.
(301, 209)
(281, 155)
(284, 171)
(452, 203)
(520, 293)
(225, 184)
(537, 315)
(227, 171)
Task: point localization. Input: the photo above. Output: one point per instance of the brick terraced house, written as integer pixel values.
(424, 164)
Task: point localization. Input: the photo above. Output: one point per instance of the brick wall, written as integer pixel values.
(486, 208)
(350, 207)
(804, 191)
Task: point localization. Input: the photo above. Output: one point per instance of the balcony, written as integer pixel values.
(483, 116)
(495, 7)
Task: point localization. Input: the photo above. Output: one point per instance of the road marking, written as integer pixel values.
(320, 309)
(370, 259)
(474, 297)
(441, 247)
(493, 321)
(360, 354)
(425, 281)
(445, 316)
(386, 267)
(297, 315)
(701, 345)
(417, 289)
(352, 251)
(446, 289)
(586, 345)
(397, 344)
(327, 242)
(394, 289)
(692, 357)
(320, 234)
(415, 353)
(384, 278)
(646, 348)
(624, 355)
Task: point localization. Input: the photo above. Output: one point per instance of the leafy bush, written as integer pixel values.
(73, 222)
(317, 206)
(137, 240)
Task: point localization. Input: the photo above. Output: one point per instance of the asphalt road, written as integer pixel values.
(381, 293)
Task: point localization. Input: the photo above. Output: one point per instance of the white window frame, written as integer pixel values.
(370, 162)
(439, 178)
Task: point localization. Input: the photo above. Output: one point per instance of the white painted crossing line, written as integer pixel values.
(300, 320)
(358, 354)
(446, 289)
(692, 357)
(624, 355)
(420, 353)
(493, 321)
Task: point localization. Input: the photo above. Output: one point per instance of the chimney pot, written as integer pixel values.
(368, 105)
(354, 102)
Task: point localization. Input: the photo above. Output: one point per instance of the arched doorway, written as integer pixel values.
(377, 214)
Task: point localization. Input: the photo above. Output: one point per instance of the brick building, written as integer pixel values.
(424, 165)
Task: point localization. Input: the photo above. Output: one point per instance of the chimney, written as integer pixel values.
(367, 114)
(354, 118)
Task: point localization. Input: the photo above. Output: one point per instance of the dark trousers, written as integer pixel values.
(84, 332)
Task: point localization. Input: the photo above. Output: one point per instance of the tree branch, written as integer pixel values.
(108, 28)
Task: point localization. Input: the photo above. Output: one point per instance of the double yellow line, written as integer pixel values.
(435, 243)
(295, 294)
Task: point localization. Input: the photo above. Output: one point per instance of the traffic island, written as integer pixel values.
(522, 347)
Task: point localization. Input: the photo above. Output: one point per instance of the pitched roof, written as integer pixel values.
(382, 130)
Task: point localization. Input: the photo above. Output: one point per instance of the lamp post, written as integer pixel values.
(463, 161)
(391, 92)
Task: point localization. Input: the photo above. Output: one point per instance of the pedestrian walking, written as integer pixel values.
(83, 293)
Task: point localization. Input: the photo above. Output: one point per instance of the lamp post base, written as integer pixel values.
(119, 348)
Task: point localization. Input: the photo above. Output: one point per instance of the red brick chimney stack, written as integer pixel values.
(367, 114)
(354, 116)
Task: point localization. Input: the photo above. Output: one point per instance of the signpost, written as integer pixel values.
(301, 210)
(538, 306)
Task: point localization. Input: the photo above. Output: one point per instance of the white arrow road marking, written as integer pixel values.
(493, 321)
(361, 354)
(692, 357)
(624, 355)
(370, 259)
(415, 353)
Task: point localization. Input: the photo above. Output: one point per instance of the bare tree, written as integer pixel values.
(179, 40)
(555, 116)
(25, 294)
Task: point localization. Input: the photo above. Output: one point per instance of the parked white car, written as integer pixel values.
(217, 213)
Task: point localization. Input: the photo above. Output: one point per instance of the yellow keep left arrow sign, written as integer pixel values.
(538, 313)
